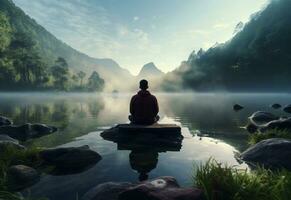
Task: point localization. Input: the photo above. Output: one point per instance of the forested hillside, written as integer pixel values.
(27, 45)
(257, 58)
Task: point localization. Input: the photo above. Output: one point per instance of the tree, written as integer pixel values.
(5, 32)
(81, 76)
(60, 72)
(95, 82)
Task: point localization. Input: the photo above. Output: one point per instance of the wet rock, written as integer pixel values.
(5, 121)
(287, 109)
(276, 106)
(106, 191)
(70, 160)
(152, 137)
(272, 153)
(164, 188)
(261, 117)
(27, 131)
(8, 142)
(237, 107)
(282, 124)
(21, 177)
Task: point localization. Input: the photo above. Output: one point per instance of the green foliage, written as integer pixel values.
(257, 137)
(257, 58)
(33, 59)
(95, 83)
(11, 156)
(229, 183)
(5, 32)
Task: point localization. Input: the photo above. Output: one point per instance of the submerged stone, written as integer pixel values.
(237, 107)
(276, 106)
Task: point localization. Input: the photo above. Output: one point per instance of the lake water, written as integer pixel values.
(82, 117)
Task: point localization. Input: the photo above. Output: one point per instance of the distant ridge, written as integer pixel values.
(150, 70)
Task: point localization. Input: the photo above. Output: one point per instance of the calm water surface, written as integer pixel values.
(82, 117)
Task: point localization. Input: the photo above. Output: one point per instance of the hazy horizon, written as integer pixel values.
(135, 33)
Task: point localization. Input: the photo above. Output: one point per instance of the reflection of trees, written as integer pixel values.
(95, 107)
(61, 113)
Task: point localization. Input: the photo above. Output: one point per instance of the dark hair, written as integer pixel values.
(143, 84)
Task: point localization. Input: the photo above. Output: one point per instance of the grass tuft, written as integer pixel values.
(223, 182)
(257, 137)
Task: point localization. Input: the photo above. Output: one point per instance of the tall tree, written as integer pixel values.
(95, 82)
(81, 75)
(60, 72)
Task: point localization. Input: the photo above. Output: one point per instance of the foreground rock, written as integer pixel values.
(70, 160)
(21, 177)
(27, 131)
(5, 121)
(261, 117)
(283, 124)
(287, 109)
(164, 188)
(272, 153)
(237, 107)
(8, 142)
(107, 191)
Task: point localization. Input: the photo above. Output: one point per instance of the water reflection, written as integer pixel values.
(144, 158)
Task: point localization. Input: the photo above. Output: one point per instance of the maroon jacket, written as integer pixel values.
(144, 107)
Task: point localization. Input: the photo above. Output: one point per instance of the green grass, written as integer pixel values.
(222, 182)
(257, 137)
(11, 156)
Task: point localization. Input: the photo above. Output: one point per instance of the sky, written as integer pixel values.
(136, 32)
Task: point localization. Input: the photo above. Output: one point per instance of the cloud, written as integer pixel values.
(136, 18)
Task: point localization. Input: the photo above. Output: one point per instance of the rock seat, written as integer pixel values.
(161, 136)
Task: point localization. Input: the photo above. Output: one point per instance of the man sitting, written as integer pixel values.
(144, 107)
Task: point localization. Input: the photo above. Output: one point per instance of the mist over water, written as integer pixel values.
(82, 117)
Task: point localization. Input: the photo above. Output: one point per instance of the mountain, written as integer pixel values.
(50, 48)
(257, 58)
(150, 70)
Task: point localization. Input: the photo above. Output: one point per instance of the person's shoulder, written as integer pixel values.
(153, 96)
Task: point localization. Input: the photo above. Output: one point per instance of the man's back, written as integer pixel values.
(144, 107)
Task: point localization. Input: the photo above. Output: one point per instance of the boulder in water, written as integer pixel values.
(155, 135)
(287, 109)
(27, 131)
(70, 160)
(261, 117)
(276, 106)
(237, 107)
(8, 142)
(282, 124)
(272, 153)
(5, 121)
(20, 177)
